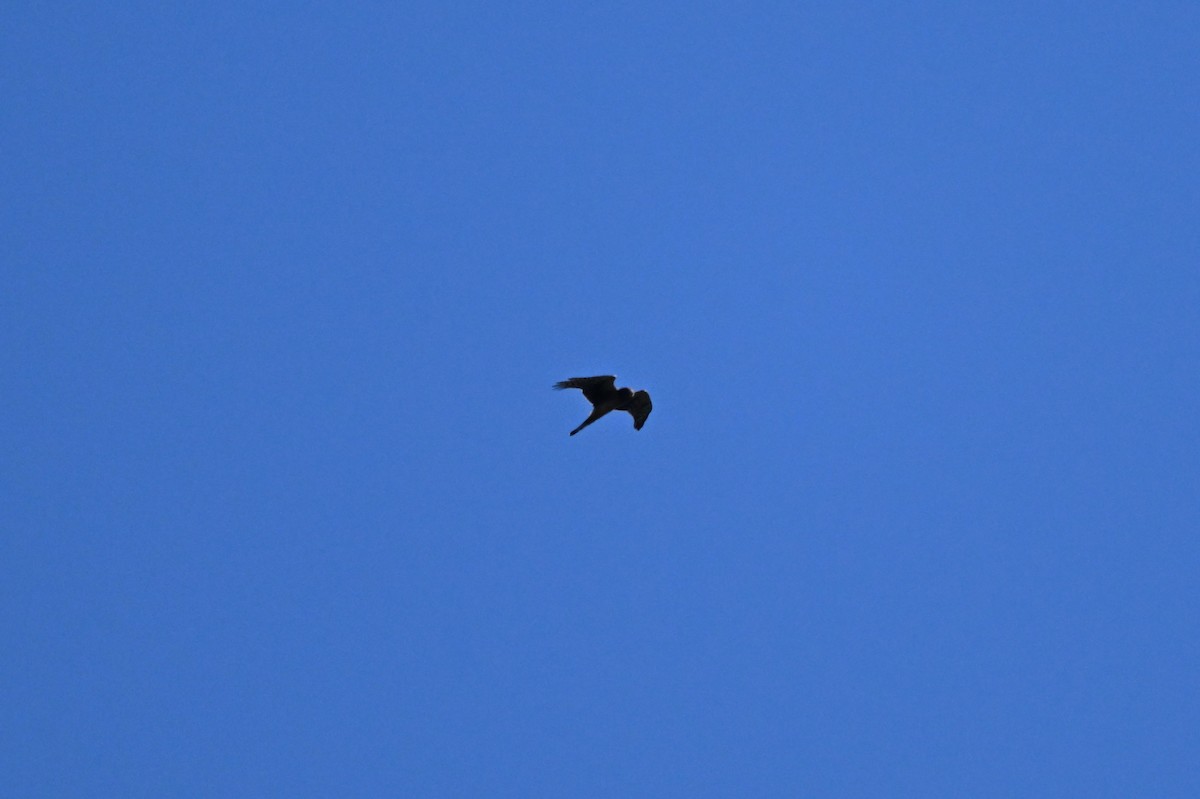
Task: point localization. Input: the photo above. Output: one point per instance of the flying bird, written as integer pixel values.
(605, 396)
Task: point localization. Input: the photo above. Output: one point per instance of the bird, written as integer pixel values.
(602, 392)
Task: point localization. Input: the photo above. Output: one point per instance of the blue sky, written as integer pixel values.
(290, 509)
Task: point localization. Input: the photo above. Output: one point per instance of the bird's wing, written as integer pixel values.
(595, 389)
(639, 408)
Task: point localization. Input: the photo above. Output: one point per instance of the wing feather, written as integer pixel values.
(639, 408)
(595, 389)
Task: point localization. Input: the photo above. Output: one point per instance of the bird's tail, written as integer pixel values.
(596, 414)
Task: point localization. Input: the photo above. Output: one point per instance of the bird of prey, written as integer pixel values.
(605, 396)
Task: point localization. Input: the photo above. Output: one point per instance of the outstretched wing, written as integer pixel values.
(595, 389)
(639, 408)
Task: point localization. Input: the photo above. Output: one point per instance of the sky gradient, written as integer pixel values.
(289, 508)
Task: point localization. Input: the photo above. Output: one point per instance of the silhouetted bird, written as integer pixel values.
(605, 396)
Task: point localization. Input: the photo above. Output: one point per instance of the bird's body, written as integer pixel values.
(605, 397)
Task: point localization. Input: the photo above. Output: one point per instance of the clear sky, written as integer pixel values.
(289, 508)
